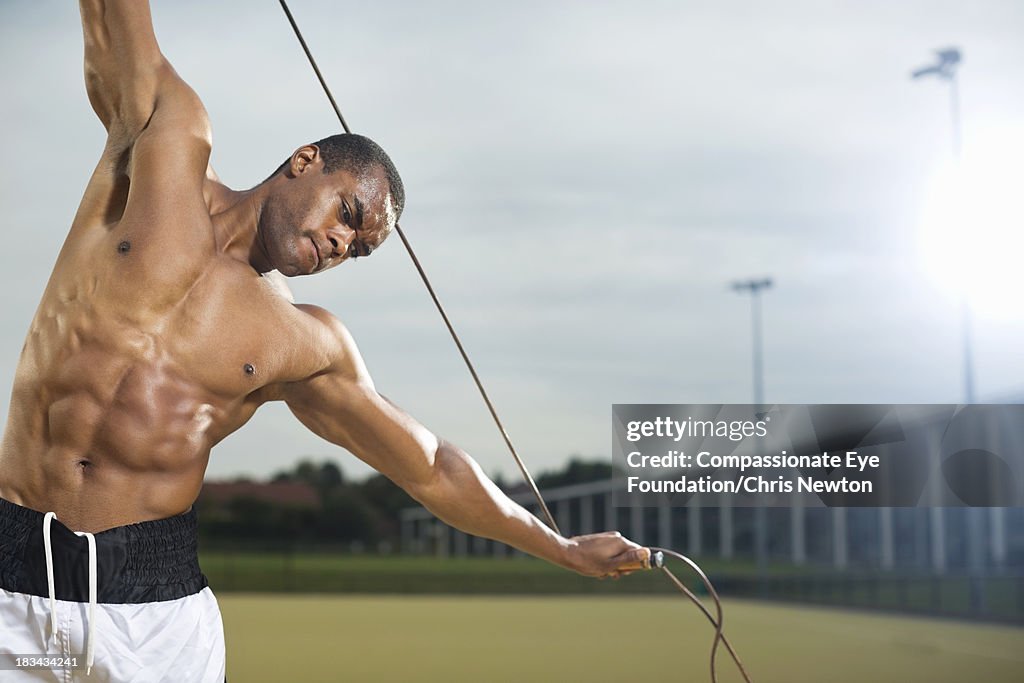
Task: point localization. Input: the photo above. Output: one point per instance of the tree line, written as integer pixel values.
(314, 504)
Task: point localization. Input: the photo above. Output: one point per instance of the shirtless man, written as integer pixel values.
(163, 328)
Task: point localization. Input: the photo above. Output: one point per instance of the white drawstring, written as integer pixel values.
(50, 516)
(89, 652)
(48, 548)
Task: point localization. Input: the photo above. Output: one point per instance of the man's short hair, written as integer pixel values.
(357, 153)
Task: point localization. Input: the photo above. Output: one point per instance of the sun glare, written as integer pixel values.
(971, 232)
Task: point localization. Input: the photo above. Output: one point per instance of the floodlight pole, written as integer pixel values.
(754, 287)
(949, 60)
(945, 69)
(965, 304)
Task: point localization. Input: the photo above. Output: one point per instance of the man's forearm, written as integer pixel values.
(121, 58)
(119, 29)
(460, 494)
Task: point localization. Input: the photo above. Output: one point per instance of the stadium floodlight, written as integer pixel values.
(949, 58)
(971, 215)
(975, 235)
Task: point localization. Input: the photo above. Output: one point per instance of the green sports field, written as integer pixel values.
(595, 638)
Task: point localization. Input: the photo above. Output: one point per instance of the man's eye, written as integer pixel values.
(345, 215)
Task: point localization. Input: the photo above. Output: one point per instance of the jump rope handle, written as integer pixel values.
(648, 560)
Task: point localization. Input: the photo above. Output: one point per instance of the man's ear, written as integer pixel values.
(303, 158)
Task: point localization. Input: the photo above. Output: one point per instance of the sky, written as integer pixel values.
(584, 180)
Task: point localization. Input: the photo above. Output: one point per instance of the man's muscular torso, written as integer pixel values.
(150, 345)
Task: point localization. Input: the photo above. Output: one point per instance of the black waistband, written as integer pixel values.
(146, 562)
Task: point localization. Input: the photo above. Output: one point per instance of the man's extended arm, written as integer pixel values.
(341, 405)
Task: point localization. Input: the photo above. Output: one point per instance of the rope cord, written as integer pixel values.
(716, 622)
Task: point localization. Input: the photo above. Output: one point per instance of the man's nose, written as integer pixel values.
(340, 238)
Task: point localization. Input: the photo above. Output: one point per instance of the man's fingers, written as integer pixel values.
(611, 555)
(631, 559)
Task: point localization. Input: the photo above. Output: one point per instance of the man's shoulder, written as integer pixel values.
(332, 337)
(321, 315)
(330, 346)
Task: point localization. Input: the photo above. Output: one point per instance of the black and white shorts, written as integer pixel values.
(126, 604)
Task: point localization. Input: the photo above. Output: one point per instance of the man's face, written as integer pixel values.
(313, 221)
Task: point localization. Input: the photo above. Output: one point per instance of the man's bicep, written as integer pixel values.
(171, 153)
(158, 132)
(167, 170)
(342, 405)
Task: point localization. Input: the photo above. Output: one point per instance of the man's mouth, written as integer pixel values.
(316, 256)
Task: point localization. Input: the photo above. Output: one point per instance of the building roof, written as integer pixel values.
(295, 493)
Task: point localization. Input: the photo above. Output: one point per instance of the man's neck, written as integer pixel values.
(235, 215)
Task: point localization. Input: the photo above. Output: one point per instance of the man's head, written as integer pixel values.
(332, 200)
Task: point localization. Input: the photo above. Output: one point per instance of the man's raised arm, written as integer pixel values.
(126, 75)
(158, 133)
(341, 405)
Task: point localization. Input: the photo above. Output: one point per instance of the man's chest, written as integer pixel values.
(224, 335)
